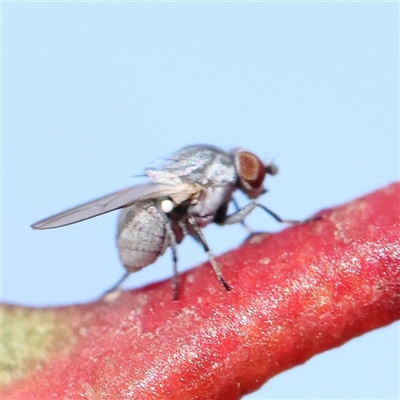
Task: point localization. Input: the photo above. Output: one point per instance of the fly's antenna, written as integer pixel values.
(271, 168)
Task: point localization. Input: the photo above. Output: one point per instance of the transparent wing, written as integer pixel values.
(114, 201)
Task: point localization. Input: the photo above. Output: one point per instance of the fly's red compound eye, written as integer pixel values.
(250, 169)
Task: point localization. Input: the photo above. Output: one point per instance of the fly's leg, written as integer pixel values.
(239, 215)
(172, 243)
(115, 287)
(243, 212)
(278, 218)
(202, 240)
(245, 226)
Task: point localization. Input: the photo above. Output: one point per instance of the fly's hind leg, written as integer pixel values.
(173, 244)
(109, 294)
(198, 234)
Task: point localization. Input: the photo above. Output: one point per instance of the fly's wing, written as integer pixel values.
(114, 201)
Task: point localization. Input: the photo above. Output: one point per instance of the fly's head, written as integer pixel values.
(251, 172)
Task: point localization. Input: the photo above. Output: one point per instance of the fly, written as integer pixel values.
(193, 189)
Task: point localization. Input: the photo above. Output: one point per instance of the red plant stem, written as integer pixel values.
(296, 293)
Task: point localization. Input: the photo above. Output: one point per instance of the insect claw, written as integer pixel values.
(111, 295)
(224, 284)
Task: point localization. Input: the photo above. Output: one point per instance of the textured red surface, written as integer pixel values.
(295, 294)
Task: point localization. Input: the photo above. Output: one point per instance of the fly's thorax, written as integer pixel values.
(201, 164)
(217, 168)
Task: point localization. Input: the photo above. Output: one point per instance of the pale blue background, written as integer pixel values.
(93, 92)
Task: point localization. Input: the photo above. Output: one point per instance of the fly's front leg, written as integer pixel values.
(236, 204)
(243, 212)
(200, 237)
(278, 218)
(237, 216)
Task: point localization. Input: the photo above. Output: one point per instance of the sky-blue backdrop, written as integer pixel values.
(93, 92)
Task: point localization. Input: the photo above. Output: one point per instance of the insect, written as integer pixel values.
(193, 189)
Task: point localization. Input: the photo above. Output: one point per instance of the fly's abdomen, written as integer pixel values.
(140, 235)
